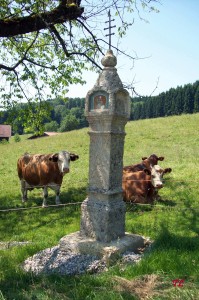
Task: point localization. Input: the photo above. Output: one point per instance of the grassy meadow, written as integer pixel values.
(172, 223)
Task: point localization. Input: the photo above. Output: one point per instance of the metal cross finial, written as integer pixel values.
(109, 27)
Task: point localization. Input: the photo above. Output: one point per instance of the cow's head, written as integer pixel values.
(152, 159)
(63, 159)
(156, 174)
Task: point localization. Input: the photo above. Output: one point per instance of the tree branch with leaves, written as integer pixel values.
(45, 45)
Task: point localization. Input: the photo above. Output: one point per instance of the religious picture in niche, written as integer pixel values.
(99, 102)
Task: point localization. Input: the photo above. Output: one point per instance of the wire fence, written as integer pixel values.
(38, 207)
(131, 205)
(8, 186)
(130, 208)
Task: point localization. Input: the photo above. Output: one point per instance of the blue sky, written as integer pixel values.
(169, 41)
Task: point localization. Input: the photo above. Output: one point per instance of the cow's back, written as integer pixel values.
(136, 187)
(37, 170)
(134, 168)
(146, 163)
(22, 163)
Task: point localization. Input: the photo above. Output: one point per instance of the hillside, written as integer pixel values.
(174, 137)
(65, 115)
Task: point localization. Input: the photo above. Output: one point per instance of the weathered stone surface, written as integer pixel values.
(109, 60)
(110, 251)
(106, 163)
(77, 255)
(109, 84)
(103, 219)
(55, 260)
(107, 110)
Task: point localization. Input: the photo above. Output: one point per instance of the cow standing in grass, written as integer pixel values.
(44, 171)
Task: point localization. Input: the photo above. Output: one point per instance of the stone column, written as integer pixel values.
(107, 111)
(102, 229)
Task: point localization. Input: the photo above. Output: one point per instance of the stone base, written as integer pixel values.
(111, 251)
(103, 217)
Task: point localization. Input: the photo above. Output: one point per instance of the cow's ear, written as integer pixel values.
(147, 171)
(167, 170)
(73, 156)
(143, 158)
(161, 158)
(54, 157)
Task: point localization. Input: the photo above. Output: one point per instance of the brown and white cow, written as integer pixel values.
(44, 171)
(142, 186)
(146, 163)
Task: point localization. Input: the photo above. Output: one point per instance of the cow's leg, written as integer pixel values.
(57, 193)
(24, 191)
(57, 199)
(45, 195)
(56, 188)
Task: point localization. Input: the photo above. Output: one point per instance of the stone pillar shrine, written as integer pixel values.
(102, 229)
(107, 111)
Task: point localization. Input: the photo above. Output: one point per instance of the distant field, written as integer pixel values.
(173, 222)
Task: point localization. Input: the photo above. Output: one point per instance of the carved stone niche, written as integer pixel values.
(108, 97)
(99, 101)
(103, 102)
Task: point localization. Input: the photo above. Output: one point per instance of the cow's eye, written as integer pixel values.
(153, 176)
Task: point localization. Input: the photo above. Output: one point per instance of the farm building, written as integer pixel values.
(5, 132)
(45, 134)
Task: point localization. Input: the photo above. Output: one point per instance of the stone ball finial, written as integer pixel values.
(109, 60)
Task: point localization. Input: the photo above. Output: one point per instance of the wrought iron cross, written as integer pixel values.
(109, 27)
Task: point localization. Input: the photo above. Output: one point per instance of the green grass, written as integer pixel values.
(172, 222)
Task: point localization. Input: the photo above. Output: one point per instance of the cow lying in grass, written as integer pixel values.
(44, 171)
(146, 163)
(142, 186)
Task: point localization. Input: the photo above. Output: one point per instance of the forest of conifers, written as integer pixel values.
(176, 101)
(69, 115)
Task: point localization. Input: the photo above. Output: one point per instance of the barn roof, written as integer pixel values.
(45, 134)
(5, 131)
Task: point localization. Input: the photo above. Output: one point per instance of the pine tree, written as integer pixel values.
(188, 100)
(196, 100)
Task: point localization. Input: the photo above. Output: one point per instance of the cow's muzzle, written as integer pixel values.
(65, 170)
(159, 186)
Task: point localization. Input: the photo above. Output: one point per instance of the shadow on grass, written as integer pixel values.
(72, 195)
(35, 198)
(26, 225)
(191, 215)
(19, 223)
(136, 207)
(21, 286)
(166, 202)
(30, 287)
(16, 284)
(168, 241)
